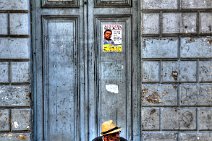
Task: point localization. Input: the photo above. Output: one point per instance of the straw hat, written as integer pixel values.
(109, 127)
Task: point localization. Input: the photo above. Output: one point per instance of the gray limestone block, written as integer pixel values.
(205, 71)
(14, 5)
(14, 95)
(21, 119)
(159, 94)
(170, 71)
(20, 71)
(19, 24)
(178, 118)
(188, 23)
(150, 23)
(150, 118)
(205, 22)
(3, 23)
(4, 72)
(15, 137)
(4, 120)
(14, 48)
(192, 47)
(182, 71)
(195, 4)
(205, 118)
(159, 136)
(160, 48)
(171, 22)
(159, 4)
(205, 94)
(188, 71)
(195, 136)
(150, 71)
(189, 94)
(193, 94)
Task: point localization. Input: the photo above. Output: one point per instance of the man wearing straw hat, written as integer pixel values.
(110, 132)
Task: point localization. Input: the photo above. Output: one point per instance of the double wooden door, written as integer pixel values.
(79, 81)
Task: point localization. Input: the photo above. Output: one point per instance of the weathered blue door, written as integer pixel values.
(79, 81)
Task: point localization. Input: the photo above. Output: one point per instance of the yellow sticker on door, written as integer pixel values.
(112, 48)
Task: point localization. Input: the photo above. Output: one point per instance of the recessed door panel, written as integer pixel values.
(60, 77)
(114, 71)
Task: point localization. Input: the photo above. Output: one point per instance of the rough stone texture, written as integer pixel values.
(205, 118)
(196, 47)
(183, 71)
(3, 72)
(193, 4)
(14, 5)
(178, 118)
(205, 22)
(189, 94)
(170, 71)
(160, 48)
(3, 23)
(183, 61)
(159, 94)
(150, 71)
(193, 94)
(159, 136)
(205, 71)
(21, 119)
(171, 22)
(14, 48)
(159, 4)
(15, 137)
(14, 96)
(150, 118)
(205, 94)
(188, 71)
(19, 24)
(4, 120)
(195, 136)
(14, 21)
(188, 23)
(20, 71)
(150, 24)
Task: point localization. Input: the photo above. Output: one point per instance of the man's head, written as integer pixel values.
(110, 131)
(107, 34)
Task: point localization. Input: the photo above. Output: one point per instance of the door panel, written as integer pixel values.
(114, 72)
(60, 78)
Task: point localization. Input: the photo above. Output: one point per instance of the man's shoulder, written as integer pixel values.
(98, 139)
(122, 139)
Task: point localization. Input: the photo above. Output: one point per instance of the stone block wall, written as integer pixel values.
(176, 70)
(15, 92)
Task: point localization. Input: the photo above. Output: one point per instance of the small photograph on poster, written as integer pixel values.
(112, 38)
